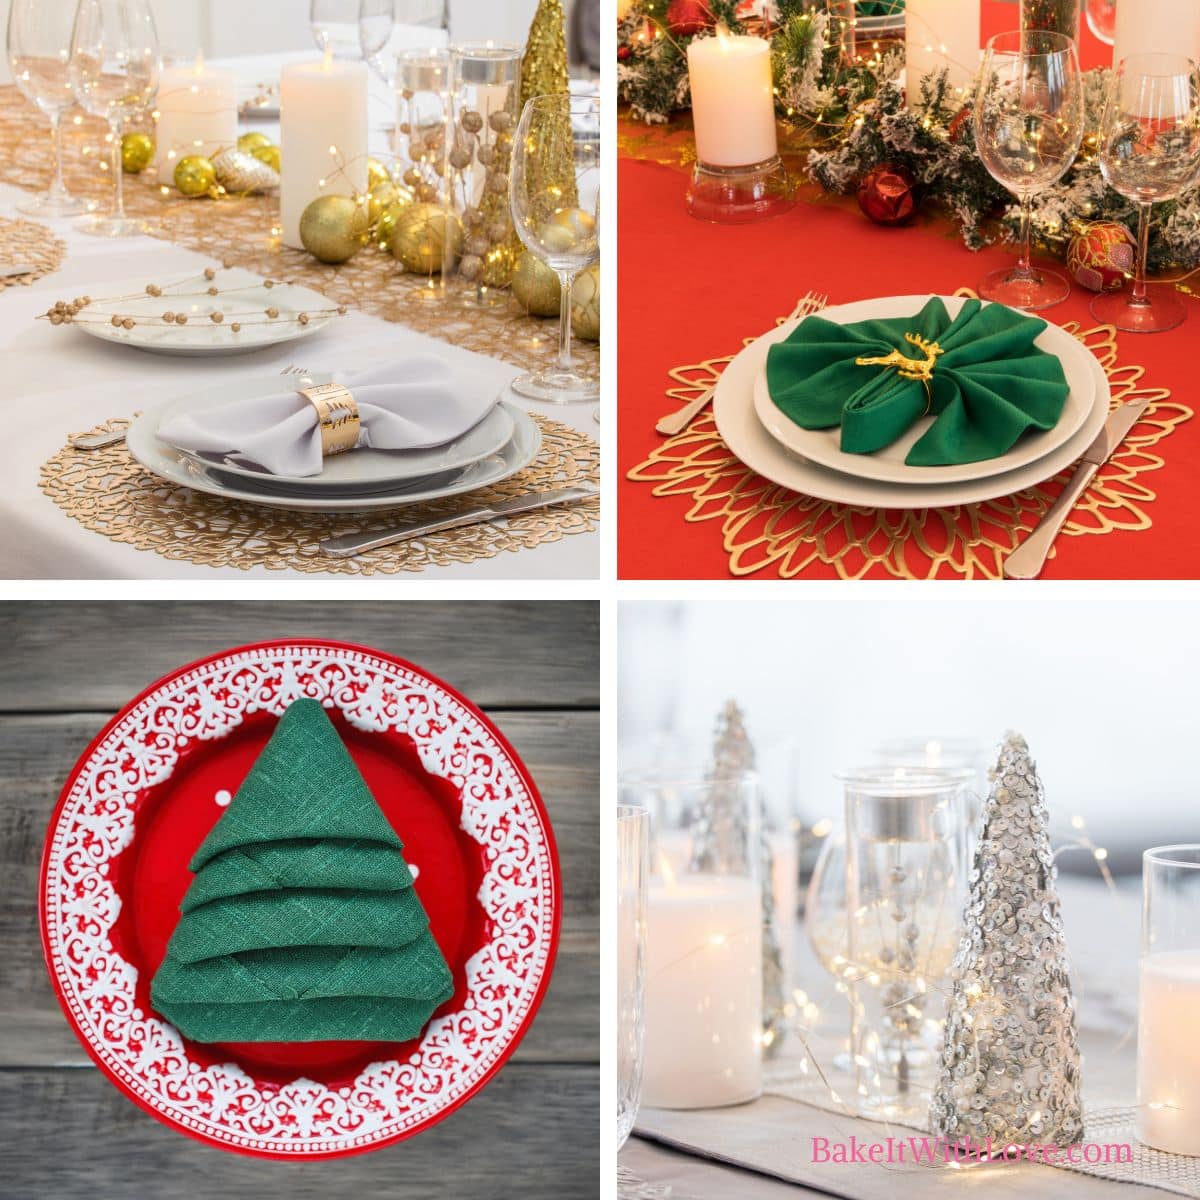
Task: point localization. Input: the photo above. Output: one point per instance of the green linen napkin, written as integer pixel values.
(301, 923)
(989, 384)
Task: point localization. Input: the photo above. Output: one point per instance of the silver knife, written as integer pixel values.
(351, 544)
(1027, 561)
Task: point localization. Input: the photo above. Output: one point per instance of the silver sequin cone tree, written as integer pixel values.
(721, 843)
(1010, 1061)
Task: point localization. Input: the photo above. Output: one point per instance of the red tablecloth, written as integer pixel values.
(691, 291)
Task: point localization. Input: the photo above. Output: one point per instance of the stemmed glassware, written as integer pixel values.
(39, 46)
(114, 70)
(1149, 152)
(1102, 19)
(555, 193)
(376, 20)
(335, 27)
(1029, 118)
(633, 869)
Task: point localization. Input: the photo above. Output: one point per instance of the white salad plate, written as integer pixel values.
(823, 446)
(244, 299)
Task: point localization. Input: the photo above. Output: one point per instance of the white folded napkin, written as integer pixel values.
(410, 404)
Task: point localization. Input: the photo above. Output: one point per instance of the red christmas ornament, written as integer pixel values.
(958, 124)
(1100, 256)
(623, 53)
(888, 194)
(688, 17)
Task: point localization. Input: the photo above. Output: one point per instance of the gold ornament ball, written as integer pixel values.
(585, 304)
(332, 228)
(566, 228)
(382, 197)
(377, 174)
(536, 287)
(422, 235)
(249, 142)
(195, 175)
(268, 154)
(137, 149)
(385, 227)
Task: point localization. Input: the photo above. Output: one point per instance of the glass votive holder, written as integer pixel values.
(1168, 1070)
(633, 869)
(704, 931)
(905, 886)
(485, 108)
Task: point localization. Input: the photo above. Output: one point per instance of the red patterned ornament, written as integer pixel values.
(1100, 256)
(888, 194)
(688, 17)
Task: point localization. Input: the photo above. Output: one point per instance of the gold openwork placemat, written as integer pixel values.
(109, 493)
(767, 527)
(28, 244)
(241, 232)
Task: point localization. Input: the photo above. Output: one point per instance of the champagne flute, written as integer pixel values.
(114, 70)
(39, 45)
(1149, 152)
(335, 27)
(1102, 19)
(554, 190)
(376, 20)
(1029, 117)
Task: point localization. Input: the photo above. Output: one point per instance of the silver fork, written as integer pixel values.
(679, 420)
(99, 441)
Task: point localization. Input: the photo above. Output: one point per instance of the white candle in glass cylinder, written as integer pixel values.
(703, 992)
(941, 34)
(1169, 1052)
(323, 136)
(1157, 27)
(733, 101)
(197, 114)
(785, 871)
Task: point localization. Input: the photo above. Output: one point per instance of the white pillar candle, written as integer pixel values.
(733, 101)
(941, 34)
(197, 114)
(703, 992)
(1157, 27)
(323, 136)
(1169, 1052)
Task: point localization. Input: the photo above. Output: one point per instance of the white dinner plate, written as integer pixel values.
(244, 299)
(179, 468)
(739, 426)
(362, 470)
(823, 446)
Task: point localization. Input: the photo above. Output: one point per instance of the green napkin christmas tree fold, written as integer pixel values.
(987, 383)
(301, 923)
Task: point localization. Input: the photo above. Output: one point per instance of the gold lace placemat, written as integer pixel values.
(28, 244)
(241, 232)
(109, 493)
(765, 527)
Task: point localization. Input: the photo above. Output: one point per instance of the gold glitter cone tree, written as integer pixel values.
(722, 841)
(1010, 1061)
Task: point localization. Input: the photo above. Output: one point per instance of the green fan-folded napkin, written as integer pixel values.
(301, 923)
(979, 375)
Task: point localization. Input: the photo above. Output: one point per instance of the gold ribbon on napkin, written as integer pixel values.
(337, 414)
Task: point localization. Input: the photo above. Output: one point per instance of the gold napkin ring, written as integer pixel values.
(337, 415)
(911, 368)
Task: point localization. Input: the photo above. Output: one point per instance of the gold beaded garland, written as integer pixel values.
(422, 235)
(333, 228)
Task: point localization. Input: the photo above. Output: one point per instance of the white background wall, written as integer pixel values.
(1102, 682)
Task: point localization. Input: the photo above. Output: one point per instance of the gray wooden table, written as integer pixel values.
(65, 1131)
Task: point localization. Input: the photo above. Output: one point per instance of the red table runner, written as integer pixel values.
(692, 291)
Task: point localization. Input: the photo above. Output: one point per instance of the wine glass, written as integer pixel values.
(1029, 118)
(114, 70)
(376, 20)
(633, 869)
(1149, 152)
(1102, 19)
(39, 45)
(335, 27)
(554, 189)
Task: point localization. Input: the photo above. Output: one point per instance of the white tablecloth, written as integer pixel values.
(58, 381)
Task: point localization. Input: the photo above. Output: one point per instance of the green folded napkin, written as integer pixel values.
(986, 383)
(301, 923)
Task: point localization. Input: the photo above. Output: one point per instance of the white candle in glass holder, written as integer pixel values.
(733, 100)
(1157, 27)
(1169, 1052)
(197, 114)
(703, 992)
(785, 871)
(323, 136)
(941, 34)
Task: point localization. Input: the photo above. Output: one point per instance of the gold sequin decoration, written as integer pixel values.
(107, 492)
(767, 528)
(28, 244)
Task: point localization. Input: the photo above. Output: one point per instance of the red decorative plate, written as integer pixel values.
(147, 791)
